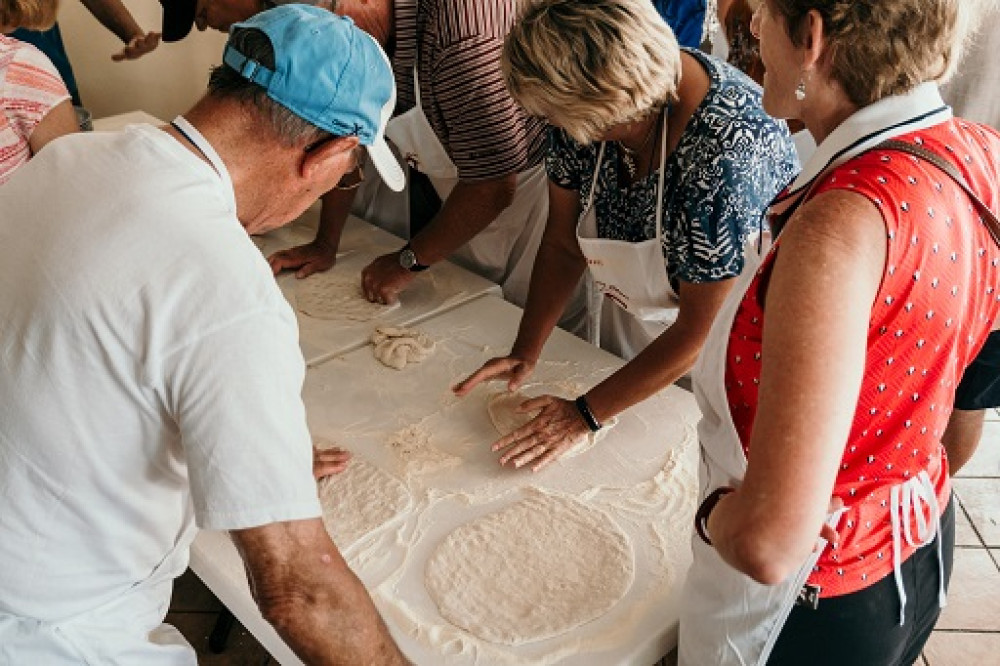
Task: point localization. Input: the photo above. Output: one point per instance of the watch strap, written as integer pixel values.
(416, 266)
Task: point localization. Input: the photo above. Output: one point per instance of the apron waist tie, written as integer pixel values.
(908, 499)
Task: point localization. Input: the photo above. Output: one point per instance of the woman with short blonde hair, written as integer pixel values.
(827, 525)
(660, 164)
(625, 64)
(35, 106)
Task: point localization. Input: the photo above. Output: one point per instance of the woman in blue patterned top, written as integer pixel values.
(661, 163)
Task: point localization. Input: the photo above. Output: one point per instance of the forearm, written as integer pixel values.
(470, 208)
(336, 207)
(554, 277)
(660, 364)
(305, 589)
(114, 16)
(339, 629)
(961, 437)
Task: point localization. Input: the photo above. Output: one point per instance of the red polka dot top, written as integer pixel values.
(934, 309)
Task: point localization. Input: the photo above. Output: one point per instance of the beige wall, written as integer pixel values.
(163, 83)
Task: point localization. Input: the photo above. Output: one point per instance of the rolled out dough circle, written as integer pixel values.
(360, 500)
(502, 408)
(336, 296)
(533, 570)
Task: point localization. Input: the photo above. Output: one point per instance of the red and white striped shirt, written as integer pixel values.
(456, 45)
(29, 87)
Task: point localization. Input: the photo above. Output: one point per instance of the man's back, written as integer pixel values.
(129, 297)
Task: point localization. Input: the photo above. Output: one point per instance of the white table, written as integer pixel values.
(355, 401)
(437, 290)
(111, 123)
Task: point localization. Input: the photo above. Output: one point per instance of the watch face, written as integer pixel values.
(407, 259)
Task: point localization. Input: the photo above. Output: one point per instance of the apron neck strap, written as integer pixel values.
(660, 177)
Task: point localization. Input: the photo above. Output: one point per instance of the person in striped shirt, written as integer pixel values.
(477, 191)
(35, 104)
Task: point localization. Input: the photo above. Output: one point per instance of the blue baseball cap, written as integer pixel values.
(328, 72)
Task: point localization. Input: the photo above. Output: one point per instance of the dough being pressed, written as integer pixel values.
(502, 408)
(396, 347)
(360, 500)
(533, 570)
(336, 296)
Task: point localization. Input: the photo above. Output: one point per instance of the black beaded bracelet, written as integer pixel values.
(588, 416)
(705, 510)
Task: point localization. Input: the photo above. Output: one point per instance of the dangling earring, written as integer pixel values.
(800, 90)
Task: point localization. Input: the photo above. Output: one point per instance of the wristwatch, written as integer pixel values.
(408, 260)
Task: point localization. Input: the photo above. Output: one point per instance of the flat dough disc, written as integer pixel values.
(502, 408)
(533, 570)
(336, 296)
(503, 411)
(360, 500)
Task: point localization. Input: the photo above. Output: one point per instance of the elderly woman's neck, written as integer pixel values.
(825, 112)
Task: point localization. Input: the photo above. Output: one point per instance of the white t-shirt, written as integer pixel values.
(149, 370)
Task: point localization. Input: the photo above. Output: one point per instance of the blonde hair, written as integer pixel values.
(30, 14)
(880, 48)
(587, 65)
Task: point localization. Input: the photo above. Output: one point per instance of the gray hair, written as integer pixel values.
(227, 83)
(880, 48)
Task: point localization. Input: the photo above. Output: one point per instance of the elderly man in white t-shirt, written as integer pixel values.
(150, 374)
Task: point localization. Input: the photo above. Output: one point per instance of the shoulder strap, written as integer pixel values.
(992, 223)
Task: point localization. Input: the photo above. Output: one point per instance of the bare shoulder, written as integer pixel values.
(837, 224)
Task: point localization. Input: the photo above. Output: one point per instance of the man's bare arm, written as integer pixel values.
(305, 589)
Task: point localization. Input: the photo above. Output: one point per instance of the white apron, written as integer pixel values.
(727, 618)
(504, 252)
(630, 275)
(128, 629)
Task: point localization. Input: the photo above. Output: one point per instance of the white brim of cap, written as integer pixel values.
(387, 165)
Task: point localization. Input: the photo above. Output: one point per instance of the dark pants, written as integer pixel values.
(424, 201)
(862, 629)
(980, 384)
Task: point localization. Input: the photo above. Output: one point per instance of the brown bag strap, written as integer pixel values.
(988, 216)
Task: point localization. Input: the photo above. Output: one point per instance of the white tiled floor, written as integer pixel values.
(968, 633)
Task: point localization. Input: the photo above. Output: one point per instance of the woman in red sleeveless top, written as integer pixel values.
(829, 374)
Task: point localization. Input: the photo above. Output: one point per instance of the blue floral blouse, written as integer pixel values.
(728, 165)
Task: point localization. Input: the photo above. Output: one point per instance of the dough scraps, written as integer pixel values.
(502, 408)
(415, 453)
(360, 500)
(396, 347)
(335, 296)
(531, 571)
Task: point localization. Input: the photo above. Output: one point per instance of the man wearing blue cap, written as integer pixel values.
(151, 373)
(477, 190)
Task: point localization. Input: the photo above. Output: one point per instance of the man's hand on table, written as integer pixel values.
(383, 279)
(314, 257)
(327, 462)
(555, 430)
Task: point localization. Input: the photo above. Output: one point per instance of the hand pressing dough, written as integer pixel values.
(335, 296)
(533, 570)
(360, 500)
(502, 408)
(396, 347)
